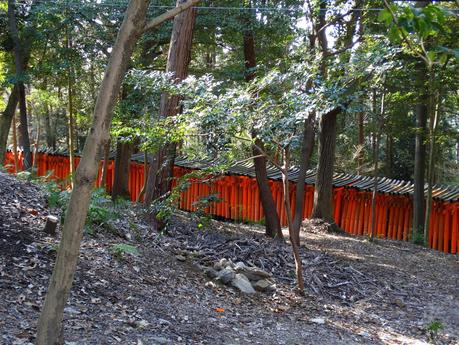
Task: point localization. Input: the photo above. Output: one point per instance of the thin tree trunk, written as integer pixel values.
(134, 24)
(389, 153)
(24, 140)
(5, 121)
(151, 181)
(434, 115)
(377, 136)
(145, 176)
(294, 239)
(420, 159)
(103, 177)
(323, 193)
(306, 151)
(360, 117)
(15, 146)
(71, 122)
(36, 145)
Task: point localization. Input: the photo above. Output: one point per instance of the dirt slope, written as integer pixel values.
(357, 292)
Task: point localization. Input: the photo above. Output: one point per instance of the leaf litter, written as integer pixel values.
(356, 292)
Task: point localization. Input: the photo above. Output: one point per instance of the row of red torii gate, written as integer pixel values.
(238, 197)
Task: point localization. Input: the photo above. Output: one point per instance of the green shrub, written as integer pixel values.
(121, 249)
(433, 328)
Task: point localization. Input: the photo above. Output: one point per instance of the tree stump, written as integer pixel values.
(51, 225)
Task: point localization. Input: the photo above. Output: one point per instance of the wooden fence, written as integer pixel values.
(240, 201)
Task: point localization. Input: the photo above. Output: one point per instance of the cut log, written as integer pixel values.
(51, 225)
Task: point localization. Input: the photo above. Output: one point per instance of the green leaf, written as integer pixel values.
(431, 55)
(394, 34)
(385, 16)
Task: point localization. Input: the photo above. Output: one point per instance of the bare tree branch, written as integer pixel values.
(169, 15)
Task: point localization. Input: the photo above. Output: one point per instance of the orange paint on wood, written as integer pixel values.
(446, 231)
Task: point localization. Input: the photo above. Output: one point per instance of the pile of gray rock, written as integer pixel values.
(248, 279)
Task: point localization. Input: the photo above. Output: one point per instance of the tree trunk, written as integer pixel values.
(15, 146)
(178, 60)
(103, 177)
(121, 179)
(50, 323)
(422, 83)
(71, 122)
(24, 139)
(5, 121)
(272, 222)
(323, 193)
(360, 117)
(389, 154)
(433, 121)
(294, 238)
(419, 160)
(377, 136)
(145, 176)
(306, 151)
(48, 128)
(49, 330)
(36, 145)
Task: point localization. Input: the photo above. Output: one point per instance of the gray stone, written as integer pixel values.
(264, 285)
(180, 258)
(210, 272)
(241, 282)
(255, 274)
(218, 266)
(226, 275)
(159, 340)
(239, 266)
(221, 264)
(318, 320)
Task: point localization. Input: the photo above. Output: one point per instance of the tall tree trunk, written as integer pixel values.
(71, 122)
(323, 193)
(50, 322)
(178, 60)
(121, 179)
(306, 151)
(421, 113)
(377, 136)
(360, 117)
(433, 121)
(420, 158)
(6, 119)
(24, 139)
(272, 222)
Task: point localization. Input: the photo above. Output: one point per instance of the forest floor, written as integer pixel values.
(357, 292)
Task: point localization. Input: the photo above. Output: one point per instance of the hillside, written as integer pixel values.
(357, 292)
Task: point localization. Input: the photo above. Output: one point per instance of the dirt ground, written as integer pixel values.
(357, 292)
